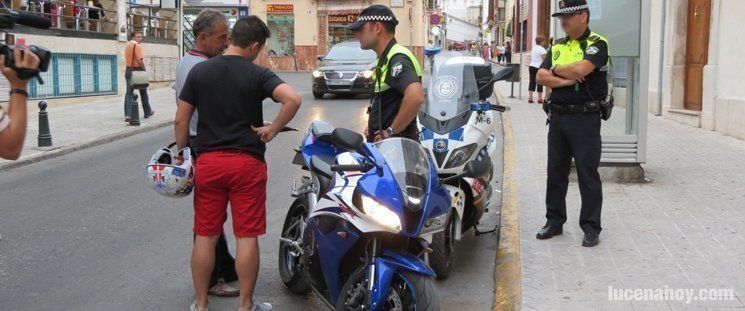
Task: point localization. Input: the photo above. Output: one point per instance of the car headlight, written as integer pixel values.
(460, 156)
(317, 74)
(380, 213)
(435, 224)
(367, 74)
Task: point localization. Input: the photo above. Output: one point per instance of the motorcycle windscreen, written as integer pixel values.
(451, 91)
(409, 164)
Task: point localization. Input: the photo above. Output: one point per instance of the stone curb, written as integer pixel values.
(45, 155)
(507, 269)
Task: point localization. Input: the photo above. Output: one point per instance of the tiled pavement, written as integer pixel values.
(683, 230)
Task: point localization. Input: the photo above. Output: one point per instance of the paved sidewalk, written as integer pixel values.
(683, 230)
(78, 126)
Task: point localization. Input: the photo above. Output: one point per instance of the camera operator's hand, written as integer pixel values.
(28, 60)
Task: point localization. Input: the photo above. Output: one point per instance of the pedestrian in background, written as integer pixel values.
(135, 61)
(500, 50)
(210, 31)
(13, 123)
(95, 13)
(228, 90)
(486, 52)
(508, 52)
(536, 59)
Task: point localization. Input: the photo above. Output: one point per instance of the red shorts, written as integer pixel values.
(235, 177)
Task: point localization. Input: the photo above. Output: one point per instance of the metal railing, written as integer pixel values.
(152, 25)
(67, 15)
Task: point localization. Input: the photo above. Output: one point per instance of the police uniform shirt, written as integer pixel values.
(596, 81)
(401, 73)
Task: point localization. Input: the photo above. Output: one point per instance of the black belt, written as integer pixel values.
(571, 109)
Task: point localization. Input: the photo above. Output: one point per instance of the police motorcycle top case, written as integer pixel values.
(458, 125)
(356, 232)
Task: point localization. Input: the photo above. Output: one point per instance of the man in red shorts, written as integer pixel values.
(228, 91)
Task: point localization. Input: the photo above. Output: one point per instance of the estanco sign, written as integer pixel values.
(343, 18)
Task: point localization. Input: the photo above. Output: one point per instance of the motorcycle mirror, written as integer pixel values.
(502, 74)
(347, 139)
(475, 169)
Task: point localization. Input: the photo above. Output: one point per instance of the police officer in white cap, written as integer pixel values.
(575, 69)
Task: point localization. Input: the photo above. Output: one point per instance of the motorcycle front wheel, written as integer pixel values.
(408, 292)
(289, 256)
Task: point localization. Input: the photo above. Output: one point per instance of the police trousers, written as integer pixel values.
(574, 136)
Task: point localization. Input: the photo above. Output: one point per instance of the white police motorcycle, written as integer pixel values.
(457, 126)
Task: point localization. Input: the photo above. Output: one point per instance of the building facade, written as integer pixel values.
(304, 29)
(701, 64)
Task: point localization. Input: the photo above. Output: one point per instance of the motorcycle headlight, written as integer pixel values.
(460, 156)
(317, 74)
(367, 74)
(435, 224)
(380, 213)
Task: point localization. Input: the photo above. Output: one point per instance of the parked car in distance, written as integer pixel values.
(346, 69)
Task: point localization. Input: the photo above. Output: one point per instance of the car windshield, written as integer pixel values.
(410, 165)
(350, 52)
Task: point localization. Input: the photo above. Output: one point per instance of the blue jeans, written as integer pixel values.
(128, 98)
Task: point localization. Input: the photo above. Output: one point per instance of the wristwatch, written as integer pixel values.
(389, 132)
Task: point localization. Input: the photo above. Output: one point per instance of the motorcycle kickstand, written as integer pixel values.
(478, 232)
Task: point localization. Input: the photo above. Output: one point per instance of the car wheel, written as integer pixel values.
(317, 95)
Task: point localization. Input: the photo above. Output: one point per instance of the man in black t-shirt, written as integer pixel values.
(228, 91)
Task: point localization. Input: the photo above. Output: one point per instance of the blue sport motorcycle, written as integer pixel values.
(357, 233)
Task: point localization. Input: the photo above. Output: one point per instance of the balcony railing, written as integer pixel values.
(152, 25)
(67, 15)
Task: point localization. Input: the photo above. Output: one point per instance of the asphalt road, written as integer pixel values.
(83, 231)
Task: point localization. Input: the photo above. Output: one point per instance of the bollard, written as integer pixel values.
(134, 118)
(45, 136)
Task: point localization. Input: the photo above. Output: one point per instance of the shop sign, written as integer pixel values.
(343, 18)
(280, 8)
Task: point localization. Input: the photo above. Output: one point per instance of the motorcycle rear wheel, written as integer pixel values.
(290, 270)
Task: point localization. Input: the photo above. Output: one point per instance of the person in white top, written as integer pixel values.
(536, 59)
(500, 49)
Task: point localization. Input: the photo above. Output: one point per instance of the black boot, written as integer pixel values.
(548, 232)
(591, 239)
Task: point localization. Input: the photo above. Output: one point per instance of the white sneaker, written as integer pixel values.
(194, 307)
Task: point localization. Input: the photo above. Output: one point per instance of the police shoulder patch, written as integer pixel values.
(592, 50)
(556, 54)
(396, 69)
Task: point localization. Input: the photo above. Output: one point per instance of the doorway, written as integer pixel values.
(697, 52)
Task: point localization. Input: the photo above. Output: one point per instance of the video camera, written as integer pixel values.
(9, 19)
